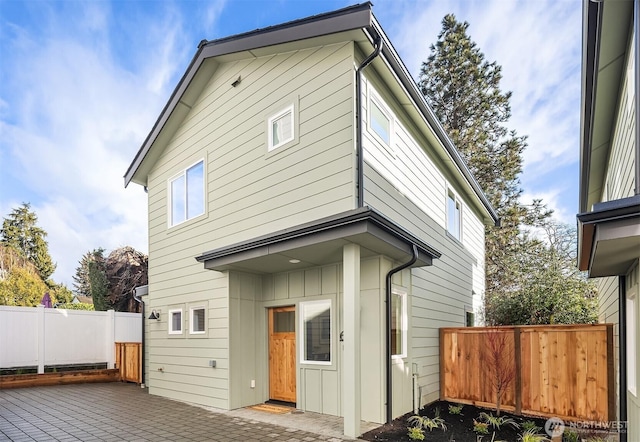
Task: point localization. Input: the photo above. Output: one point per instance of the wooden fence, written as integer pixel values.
(129, 361)
(565, 371)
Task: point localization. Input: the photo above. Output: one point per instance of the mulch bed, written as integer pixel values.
(459, 427)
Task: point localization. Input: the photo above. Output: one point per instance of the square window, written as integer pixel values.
(316, 329)
(197, 320)
(187, 194)
(398, 324)
(281, 128)
(453, 216)
(175, 322)
(380, 123)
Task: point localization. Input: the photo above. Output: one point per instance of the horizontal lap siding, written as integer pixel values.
(249, 192)
(619, 184)
(407, 186)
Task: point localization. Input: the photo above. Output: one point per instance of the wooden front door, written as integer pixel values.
(282, 354)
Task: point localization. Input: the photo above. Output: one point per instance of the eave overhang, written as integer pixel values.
(609, 237)
(321, 242)
(607, 27)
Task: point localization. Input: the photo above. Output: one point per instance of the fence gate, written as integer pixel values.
(129, 361)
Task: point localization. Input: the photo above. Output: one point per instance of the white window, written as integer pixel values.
(453, 216)
(197, 320)
(186, 192)
(281, 128)
(631, 344)
(398, 324)
(316, 332)
(380, 120)
(175, 322)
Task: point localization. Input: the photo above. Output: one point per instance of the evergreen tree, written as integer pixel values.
(464, 91)
(99, 284)
(21, 232)
(81, 283)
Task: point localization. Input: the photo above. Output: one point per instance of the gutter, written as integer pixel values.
(388, 330)
(359, 150)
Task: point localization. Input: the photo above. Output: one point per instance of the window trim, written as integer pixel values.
(303, 332)
(191, 321)
(290, 108)
(451, 195)
(170, 321)
(402, 294)
(170, 181)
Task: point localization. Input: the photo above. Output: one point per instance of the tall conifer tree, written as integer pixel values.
(464, 91)
(21, 232)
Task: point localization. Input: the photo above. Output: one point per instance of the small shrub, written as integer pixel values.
(570, 436)
(498, 421)
(480, 427)
(426, 422)
(455, 409)
(530, 425)
(532, 436)
(415, 433)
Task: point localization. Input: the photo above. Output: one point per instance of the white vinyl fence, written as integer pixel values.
(38, 336)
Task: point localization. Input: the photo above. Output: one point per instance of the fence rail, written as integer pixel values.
(559, 370)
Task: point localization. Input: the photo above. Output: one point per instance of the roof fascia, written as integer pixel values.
(409, 85)
(346, 19)
(315, 227)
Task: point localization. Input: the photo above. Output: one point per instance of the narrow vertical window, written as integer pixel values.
(187, 194)
(631, 344)
(398, 324)
(316, 328)
(175, 322)
(281, 128)
(197, 320)
(380, 123)
(453, 216)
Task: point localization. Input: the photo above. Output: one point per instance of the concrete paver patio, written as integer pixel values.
(125, 412)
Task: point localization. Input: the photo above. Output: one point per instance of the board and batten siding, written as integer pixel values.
(407, 186)
(249, 192)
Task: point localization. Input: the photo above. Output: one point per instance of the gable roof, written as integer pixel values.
(355, 23)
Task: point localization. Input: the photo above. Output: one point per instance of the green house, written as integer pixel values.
(311, 226)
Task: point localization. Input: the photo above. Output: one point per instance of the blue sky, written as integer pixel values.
(81, 84)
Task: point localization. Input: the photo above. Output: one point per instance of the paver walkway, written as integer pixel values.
(125, 412)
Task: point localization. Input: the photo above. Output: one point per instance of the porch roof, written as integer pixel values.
(320, 242)
(609, 237)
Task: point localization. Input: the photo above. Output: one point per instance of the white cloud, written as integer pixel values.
(72, 119)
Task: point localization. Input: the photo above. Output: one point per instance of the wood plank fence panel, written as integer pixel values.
(129, 361)
(560, 370)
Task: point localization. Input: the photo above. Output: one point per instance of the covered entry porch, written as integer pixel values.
(333, 275)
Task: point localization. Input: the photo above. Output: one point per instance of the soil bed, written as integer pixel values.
(459, 426)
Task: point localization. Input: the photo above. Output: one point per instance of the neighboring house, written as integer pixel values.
(77, 299)
(609, 222)
(292, 176)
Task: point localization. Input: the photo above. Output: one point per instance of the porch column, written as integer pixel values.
(351, 355)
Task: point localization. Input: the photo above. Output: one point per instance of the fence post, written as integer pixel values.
(40, 315)
(111, 338)
(518, 355)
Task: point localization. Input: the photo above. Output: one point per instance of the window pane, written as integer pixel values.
(176, 321)
(396, 325)
(453, 216)
(177, 201)
(380, 123)
(197, 320)
(317, 331)
(282, 129)
(195, 190)
(284, 322)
